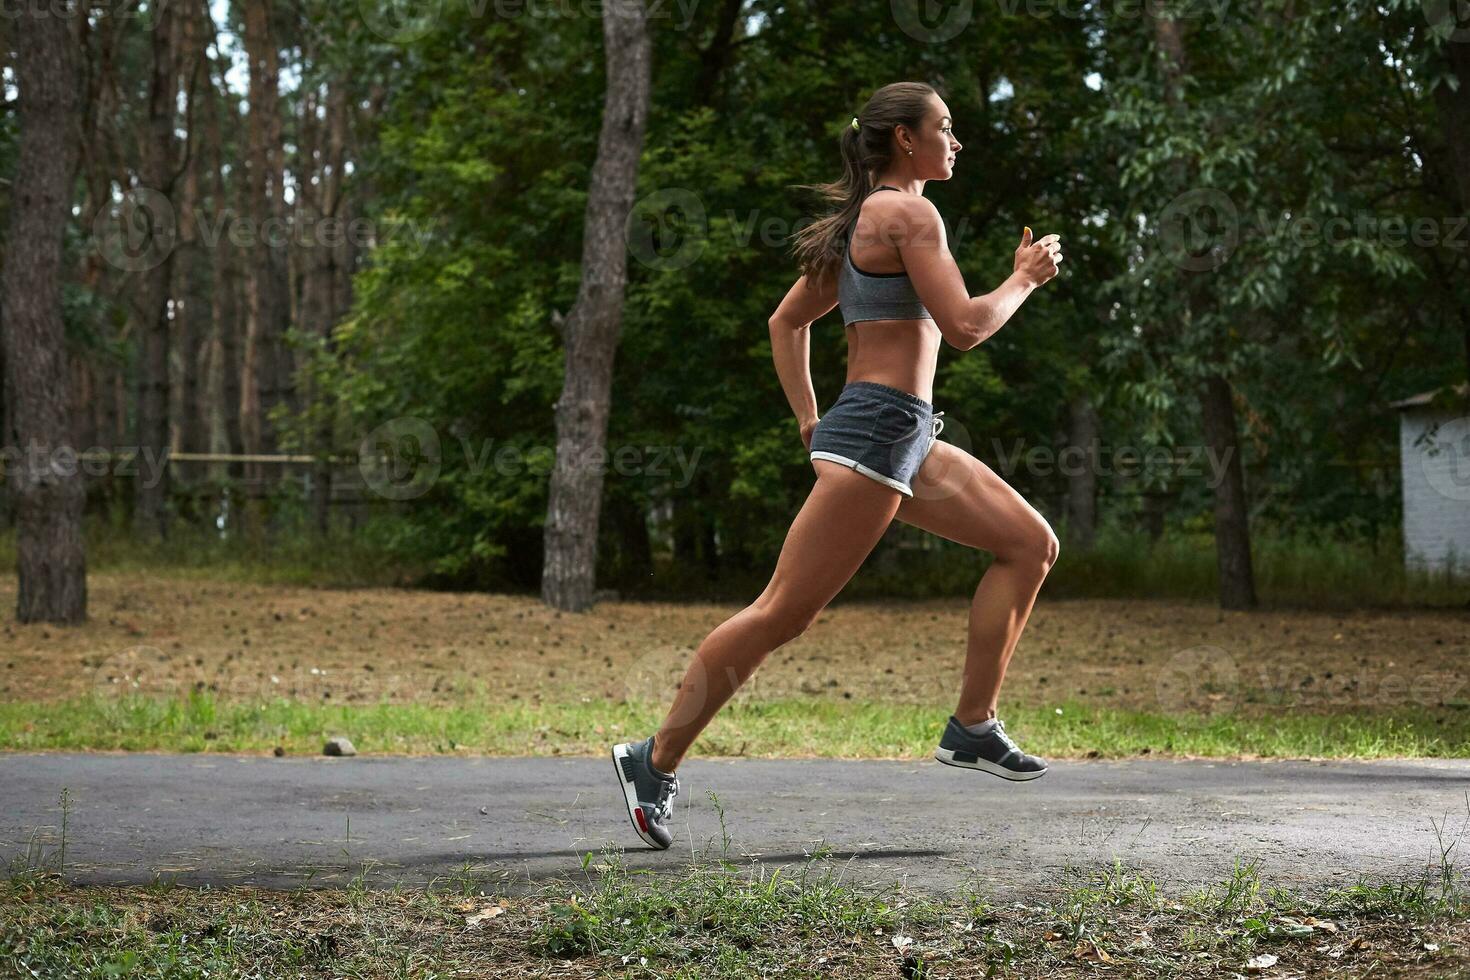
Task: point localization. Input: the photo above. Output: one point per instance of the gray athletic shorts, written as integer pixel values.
(881, 432)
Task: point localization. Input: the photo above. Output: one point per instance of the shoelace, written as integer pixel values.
(1000, 729)
(666, 794)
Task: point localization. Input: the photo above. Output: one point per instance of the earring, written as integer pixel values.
(911, 152)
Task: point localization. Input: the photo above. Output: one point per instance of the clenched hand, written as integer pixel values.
(1038, 262)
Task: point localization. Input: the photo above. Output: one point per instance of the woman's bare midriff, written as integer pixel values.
(901, 354)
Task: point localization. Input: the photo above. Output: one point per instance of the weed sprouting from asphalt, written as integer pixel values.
(1449, 885)
(35, 862)
(65, 824)
(724, 833)
(1236, 895)
(1438, 892)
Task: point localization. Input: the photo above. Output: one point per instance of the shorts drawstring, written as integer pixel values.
(938, 425)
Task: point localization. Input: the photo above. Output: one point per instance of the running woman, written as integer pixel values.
(883, 258)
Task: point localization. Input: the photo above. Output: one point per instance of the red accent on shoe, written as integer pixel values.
(642, 820)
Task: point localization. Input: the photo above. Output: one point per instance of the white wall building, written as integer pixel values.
(1434, 457)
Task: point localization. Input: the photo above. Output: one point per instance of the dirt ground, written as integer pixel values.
(163, 634)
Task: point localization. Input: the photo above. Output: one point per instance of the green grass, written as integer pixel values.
(1300, 568)
(292, 556)
(793, 727)
(1306, 568)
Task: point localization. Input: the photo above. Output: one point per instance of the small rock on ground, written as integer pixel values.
(339, 746)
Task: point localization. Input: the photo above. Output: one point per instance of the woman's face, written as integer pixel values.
(934, 144)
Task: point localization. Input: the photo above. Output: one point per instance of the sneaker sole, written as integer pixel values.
(620, 752)
(946, 756)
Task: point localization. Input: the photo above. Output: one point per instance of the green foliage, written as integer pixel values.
(1257, 213)
(479, 171)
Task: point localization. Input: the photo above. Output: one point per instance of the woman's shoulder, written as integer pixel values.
(899, 212)
(898, 202)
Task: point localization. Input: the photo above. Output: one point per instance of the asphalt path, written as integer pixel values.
(519, 823)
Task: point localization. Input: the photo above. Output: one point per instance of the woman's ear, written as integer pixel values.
(904, 137)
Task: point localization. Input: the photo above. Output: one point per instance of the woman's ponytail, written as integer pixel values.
(865, 150)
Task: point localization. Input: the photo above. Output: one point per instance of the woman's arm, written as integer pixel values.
(791, 344)
(966, 321)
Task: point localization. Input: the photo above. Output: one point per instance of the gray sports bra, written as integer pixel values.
(875, 295)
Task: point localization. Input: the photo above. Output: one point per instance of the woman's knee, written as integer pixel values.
(1036, 545)
(786, 621)
(1053, 548)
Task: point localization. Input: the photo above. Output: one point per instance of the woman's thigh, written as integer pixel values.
(836, 529)
(958, 497)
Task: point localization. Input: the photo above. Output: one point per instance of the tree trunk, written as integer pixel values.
(1154, 507)
(710, 545)
(1082, 465)
(151, 479)
(631, 558)
(715, 58)
(324, 287)
(637, 550)
(190, 319)
(323, 148)
(118, 385)
(47, 485)
(96, 402)
(1454, 114)
(685, 527)
(7, 435)
(282, 388)
(84, 395)
(591, 331)
(223, 385)
(261, 369)
(1232, 531)
(1232, 527)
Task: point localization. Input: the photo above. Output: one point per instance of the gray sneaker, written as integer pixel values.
(648, 792)
(993, 752)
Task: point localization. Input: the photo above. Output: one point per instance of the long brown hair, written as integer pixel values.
(865, 151)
